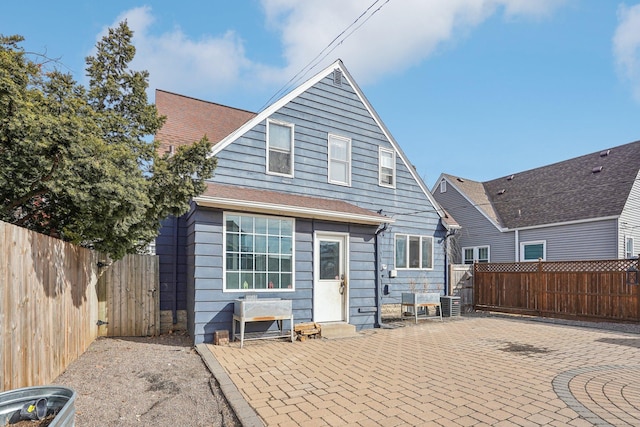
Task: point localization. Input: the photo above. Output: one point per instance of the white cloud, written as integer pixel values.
(626, 46)
(400, 34)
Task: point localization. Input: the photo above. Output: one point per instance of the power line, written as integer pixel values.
(319, 57)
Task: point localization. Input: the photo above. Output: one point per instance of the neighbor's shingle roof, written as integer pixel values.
(275, 199)
(189, 119)
(476, 193)
(566, 191)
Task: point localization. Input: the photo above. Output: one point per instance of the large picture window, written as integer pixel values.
(258, 253)
(279, 148)
(413, 252)
(339, 160)
(387, 171)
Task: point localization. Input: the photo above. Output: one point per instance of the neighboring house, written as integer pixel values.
(312, 200)
(584, 208)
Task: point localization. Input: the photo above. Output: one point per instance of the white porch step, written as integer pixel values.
(333, 330)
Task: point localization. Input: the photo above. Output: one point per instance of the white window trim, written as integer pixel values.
(348, 141)
(408, 236)
(290, 125)
(627, 254)
(393, 162)
(443, 186)
(533, 242)
(224, 254)
(476, 251)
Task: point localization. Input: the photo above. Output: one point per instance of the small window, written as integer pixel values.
(629, 249)
(443, 186)
(387, 169)
(475, 254)
(339, 160)
(414, 252)
(532, 251)
(279, 148)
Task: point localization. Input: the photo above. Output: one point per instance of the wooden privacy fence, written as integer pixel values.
(52, 294)
(582, 289)
(129, 304)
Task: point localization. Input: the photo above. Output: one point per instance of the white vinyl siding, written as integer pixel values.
(414, 252)
(279, 148)
(387, 168)
(339, 160)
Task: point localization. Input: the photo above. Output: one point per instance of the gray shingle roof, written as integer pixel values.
(592, 186)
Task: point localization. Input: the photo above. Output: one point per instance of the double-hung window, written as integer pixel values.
(339, 160)
(532, 251)
(258, 253)
(475, 254)
(629, 250)
(413, 252)
(279, 148)
(387, 168)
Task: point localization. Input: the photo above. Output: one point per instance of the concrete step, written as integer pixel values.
(332, 330)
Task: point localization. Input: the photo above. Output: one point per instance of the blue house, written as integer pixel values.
(312, 201)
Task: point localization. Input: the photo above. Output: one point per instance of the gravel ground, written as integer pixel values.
(158, 381)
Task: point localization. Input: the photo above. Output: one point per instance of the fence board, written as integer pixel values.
(585, 289)
(131, 303)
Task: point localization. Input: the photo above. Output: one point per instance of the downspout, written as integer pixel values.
(379, 323)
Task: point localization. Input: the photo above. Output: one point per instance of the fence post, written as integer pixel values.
(540, 288)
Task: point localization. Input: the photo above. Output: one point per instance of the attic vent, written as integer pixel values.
(597, 169)
(605, 153)
(502, 191)
(337, 77)
(460, 179)
(510, 177)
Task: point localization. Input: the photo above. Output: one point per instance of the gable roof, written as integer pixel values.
(337, 65)
(272, 202)
(588, 187)
(189, 119)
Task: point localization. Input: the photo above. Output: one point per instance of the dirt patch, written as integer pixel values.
(159, 381)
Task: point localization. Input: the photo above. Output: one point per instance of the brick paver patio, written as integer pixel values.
(467, 371)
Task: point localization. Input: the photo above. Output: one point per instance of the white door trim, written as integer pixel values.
(343, 238)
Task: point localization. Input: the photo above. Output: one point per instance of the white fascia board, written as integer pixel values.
(393, 143)
(266, 113)
(558, 224)
(294, 211)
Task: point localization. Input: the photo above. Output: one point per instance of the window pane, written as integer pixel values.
(261, 225)
(427, 259)
(247, 280)
(285, 264)
(483, 254)
(386, 176)
(414, 252)
(329, 260)
(261, 263)
(261, 244)
(279, 136)
(401, 251)
(279, 162)
(468, 256)
(533, 252)
(246, 242)
(274, 263)
(338, 172)
(246, 262)
(286, 281)
(274, 245)
(274, 226)
(233, 280)
(233, 223)
(386, 160)
(274, 280)
(339, 149)
(261, 280)
(233, 242)
(285, 245)
(233, 261)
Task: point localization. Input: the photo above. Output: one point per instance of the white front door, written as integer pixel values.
(330, 290)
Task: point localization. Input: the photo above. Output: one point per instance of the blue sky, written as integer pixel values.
(475, 88)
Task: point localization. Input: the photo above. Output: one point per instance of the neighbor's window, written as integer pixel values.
(414, 252)
(279, 148)
(531, 251)
(387, 171)
(258, 253)
(443, 186)
(339, 160)
(475, 254)
(629, 250)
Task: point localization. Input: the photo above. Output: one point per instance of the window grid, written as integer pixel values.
(258, 253)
